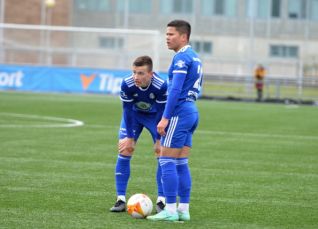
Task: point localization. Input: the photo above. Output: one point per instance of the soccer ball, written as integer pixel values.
(139, 206)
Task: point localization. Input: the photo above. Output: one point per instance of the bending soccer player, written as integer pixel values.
(144, 96)
(178, 123)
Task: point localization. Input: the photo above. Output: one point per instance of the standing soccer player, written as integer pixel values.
(144, 95)
(178, 123)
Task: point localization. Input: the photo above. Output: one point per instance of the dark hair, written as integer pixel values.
(183, 27)
(142, 61)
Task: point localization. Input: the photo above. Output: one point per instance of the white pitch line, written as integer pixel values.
(69, 122)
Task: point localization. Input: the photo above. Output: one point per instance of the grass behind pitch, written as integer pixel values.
(253, 165)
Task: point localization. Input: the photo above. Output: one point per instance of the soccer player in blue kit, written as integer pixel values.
(178, 123)
(144, 95)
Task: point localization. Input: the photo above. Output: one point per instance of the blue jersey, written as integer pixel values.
(185, 80)
(139, 101)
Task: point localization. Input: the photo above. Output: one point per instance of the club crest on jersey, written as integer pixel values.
(180, 63)
(151, 96)
(143, 106)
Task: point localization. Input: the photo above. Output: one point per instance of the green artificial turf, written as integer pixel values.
(253, 165)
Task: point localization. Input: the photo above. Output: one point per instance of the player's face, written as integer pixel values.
(175, 40)
(142, 75)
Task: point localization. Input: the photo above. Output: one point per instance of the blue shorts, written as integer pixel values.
(180, 130)
(140, 121)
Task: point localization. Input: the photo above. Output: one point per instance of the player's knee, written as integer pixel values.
(124, 148)
(157, 148)
(185, 152)
(127, 151)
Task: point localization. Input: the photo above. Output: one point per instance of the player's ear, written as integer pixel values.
(185, 37)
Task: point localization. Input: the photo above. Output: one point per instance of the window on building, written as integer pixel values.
(284, 51)
(111, 42)
(93, 5)
(231, 7)
(207, 7)
(263, 8)
(292, 51)
(176, 6)
(276, 6)
(297, 9)
(314, 10)
(303, 9)
(202, 47)
(207, 47)
(219, 7)
(135, 6)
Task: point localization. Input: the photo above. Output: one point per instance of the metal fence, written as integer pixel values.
(275, 88)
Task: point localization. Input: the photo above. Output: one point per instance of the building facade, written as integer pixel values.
(231, 36)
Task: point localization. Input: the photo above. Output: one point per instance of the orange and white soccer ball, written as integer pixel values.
(139, 206)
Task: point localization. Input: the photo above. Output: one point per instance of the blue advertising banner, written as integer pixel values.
(56, 79)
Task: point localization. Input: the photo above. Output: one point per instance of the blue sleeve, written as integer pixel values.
(174, 94)
(161, 101)
(160, 109)
(127, 101)
(124, 94)
(128, 118)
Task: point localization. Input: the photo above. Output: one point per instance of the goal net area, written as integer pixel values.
(76, 46)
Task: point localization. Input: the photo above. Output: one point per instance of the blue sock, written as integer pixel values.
(169, 178)
(185, 181)
(159, 181)
(122, 173)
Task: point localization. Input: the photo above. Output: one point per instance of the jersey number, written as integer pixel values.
(197, 84)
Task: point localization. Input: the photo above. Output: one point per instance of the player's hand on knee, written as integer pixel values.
(126, 146)
(121, 144)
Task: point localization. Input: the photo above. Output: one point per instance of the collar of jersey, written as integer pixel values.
(184, 48)
(145, 89)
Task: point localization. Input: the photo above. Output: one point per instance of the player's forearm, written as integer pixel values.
(160, 108)
(172, 101)
(174, 94)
